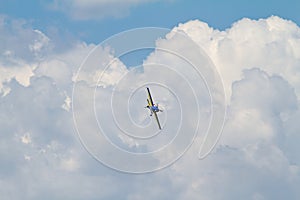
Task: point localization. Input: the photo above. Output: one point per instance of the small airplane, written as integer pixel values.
(153, 107)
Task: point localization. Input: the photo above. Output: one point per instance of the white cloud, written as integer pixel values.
(21, 42)
(26, 138)
(39, 43)
(258, 154)
(256, 106)
(101, 63)
(270, 44)
(96, 9)
(21, 50)
(22, 73)
(67, 103)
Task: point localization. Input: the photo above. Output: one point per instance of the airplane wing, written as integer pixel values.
(150, 102)
(156, 117)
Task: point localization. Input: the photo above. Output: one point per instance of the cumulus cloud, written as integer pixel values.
(258, 61)
(19, 40)
(275, 40)
(94, 9)
(256, 158)
(21, 49)
(261, 100)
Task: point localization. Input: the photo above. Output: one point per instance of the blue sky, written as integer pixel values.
(58, 24)
(217, 13)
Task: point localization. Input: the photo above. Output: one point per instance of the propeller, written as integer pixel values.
(159, 108)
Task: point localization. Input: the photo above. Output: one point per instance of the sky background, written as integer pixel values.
(45, 15)
(251, 47)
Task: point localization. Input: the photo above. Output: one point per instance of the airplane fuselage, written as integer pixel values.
(154, 108)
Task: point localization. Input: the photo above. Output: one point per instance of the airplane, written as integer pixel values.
(153, 108)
